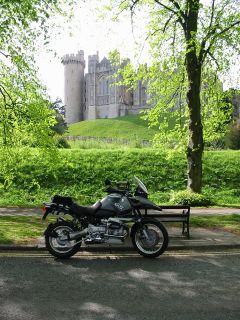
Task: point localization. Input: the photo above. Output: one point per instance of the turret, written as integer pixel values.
(92, 62)
(74, 86)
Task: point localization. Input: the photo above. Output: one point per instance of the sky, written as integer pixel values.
(88, 32)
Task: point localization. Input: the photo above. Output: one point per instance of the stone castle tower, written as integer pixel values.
(96, 95)
(74, 86)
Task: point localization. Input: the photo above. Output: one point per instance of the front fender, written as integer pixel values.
(139, 223)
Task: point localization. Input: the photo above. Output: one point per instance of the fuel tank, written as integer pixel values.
(114, 205)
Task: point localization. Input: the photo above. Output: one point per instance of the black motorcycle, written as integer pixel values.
(109, 221)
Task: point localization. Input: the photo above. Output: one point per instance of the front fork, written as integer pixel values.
(145, 232)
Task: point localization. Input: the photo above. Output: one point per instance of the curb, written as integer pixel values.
(206, 247)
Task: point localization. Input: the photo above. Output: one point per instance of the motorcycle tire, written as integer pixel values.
(156, 233)
(61, 251)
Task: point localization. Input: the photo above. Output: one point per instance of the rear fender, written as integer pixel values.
(49, 231)
(47, 209)
(54, 209)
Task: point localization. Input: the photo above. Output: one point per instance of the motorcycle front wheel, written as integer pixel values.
(61, 248)
(150, 238)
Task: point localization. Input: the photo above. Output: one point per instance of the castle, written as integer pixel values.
(96, 95)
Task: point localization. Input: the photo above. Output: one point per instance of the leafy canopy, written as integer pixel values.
(217, 46)
(25, 117)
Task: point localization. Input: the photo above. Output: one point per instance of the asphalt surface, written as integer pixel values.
(177, 286)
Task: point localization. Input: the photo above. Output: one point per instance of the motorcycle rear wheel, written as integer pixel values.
(58, 248)
(156, 241)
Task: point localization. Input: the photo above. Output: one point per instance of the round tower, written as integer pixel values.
(74, 86)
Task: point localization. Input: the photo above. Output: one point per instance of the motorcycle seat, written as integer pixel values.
(84, 210)
(65, 201)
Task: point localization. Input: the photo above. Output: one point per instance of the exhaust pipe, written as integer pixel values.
(77, 235)
(74, 235)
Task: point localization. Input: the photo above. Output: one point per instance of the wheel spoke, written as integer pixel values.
(150, 239)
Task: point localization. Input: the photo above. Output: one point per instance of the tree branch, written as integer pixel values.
(167, 22)
(166, 7)
(4, 54)
(215, 60)
(5, 93)
(180, 14)
(177, 6)
(212, 14)
(215, 36)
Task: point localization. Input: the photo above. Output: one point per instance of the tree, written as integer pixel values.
(192, 42)
(60, 127)
(25, 116)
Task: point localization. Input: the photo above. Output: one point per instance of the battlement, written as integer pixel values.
(94, 57)
(74, 58)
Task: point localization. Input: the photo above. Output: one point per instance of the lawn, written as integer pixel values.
(131, 127)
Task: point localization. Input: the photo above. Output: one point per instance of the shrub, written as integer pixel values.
(190, 198)
(233, 138)
(62, 143)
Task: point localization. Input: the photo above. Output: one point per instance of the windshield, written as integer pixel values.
(141, 184)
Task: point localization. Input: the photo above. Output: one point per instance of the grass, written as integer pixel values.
(102, 145)
(229, 223)
(20, 230)
(26, 230)
(130, 127)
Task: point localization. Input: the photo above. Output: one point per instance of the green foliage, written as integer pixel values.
(233, 138)
(193, 43)
(31, 176)
(25, 118)
(61, 142)
(187, 197)
(167, 76)
(60, 127)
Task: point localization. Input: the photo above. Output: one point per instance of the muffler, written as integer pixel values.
(74, 235)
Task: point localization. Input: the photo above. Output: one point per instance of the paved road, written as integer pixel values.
(175, 286)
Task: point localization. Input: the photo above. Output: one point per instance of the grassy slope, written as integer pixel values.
(29, 177)
(129, 127)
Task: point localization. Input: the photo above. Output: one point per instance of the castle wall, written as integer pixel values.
(107, 111)
(94, 95)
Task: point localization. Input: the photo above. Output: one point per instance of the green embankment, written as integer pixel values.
(31, 176)
(130, 127)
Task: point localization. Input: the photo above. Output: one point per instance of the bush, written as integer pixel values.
(233, 138)
(190, 198)
(30, 176)
(62, 143)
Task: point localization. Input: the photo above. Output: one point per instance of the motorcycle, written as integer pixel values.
(109, 221)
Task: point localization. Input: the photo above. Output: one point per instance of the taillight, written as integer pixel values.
(44, 209)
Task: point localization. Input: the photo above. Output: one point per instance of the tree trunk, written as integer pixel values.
(194, 68)
(195, 143)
